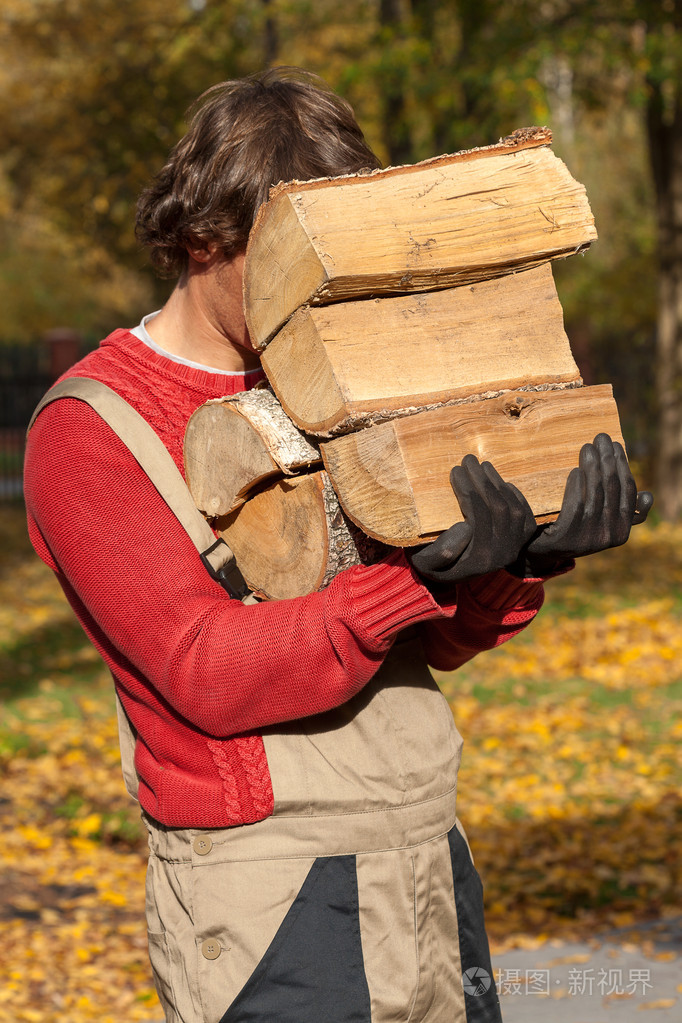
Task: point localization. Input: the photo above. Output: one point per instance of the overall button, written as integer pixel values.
(202, 845)
(210, 949)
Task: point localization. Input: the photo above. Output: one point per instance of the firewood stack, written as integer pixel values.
(404, 318)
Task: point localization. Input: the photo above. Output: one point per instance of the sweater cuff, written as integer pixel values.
(500, 590)
(389, 596)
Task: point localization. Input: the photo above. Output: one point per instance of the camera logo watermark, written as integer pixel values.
(476, 981)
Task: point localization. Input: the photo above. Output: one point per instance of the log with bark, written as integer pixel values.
(340, 367)
(393, 479)
(448, 221)
(391, 482)
(405, 318)
(292, 538)
(234, 445)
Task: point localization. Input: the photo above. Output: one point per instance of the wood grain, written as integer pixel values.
(290, 538)
(393, 479)
(232, 445)
(439, 224)
(337, 368)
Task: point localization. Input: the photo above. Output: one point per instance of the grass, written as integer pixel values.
(569, 787)
(46, 662)
(570, 784)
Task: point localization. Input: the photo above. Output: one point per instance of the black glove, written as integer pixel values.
(498, 524)
(600, 506)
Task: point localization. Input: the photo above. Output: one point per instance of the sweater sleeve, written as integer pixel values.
(488, 610)
(139, 589)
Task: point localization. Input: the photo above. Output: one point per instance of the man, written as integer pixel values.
(295, 763)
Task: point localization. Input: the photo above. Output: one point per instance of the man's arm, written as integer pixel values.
(491, 609)
(138, 586)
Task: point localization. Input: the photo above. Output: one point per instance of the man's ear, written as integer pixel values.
(202, 250)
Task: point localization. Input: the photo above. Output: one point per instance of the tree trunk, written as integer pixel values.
(270, 36)
(393, 85)
(664, 124)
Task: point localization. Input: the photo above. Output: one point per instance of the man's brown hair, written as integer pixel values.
(245, 136)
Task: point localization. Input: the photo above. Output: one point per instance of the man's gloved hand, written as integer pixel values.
(600, 506)
(498, 524)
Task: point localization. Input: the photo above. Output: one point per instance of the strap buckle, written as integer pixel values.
(220, 563)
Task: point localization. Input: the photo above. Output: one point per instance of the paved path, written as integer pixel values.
(623, 978)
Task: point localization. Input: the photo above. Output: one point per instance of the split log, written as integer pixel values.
(341, 367)
(233, 445)
(393, 479)
(292, 538)
(445, 222)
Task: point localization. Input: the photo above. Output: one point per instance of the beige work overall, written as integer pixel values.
(357, 900)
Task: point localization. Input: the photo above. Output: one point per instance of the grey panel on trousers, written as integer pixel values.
(313, 970)
(480, 993)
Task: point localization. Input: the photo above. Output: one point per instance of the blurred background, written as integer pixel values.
(92, 96)
(571, 781)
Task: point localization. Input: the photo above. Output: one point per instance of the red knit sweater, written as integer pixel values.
(197, 672)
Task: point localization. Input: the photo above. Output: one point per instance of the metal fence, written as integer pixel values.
(26, 372)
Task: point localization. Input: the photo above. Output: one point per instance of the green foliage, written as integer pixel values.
(50, 278)
(93, 95)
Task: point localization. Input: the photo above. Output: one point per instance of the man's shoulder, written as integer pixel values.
(122, 362)
(144, 379)
(117, 364)
(104, 360)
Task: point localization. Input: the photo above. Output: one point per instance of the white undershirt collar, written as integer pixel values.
(142, 334)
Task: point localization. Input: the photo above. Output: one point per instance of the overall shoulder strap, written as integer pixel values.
(154, 458)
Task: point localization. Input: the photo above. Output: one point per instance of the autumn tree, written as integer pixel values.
(92, 96)
(634, 48)
(459, 73)
(662, 46)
